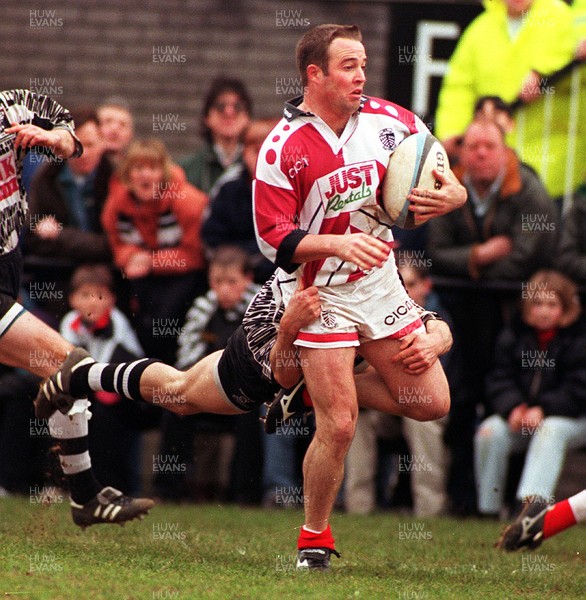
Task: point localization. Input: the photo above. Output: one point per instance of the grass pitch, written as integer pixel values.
(225, 552)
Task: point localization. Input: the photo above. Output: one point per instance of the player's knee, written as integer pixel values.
(341, 431)
(431, 411)
(173, 395)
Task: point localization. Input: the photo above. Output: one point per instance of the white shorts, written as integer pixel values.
(374, 307)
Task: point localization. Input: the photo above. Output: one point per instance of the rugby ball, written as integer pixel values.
(410, 166)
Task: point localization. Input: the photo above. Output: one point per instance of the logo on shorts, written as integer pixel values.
(242, 399)
(387, 138)
(401, 311)
(328, 318)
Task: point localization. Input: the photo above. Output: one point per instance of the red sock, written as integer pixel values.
(560, 517)
(307, 401)
(308, 539)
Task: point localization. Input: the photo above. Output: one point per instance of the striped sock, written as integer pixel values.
(71, 432)
(121, 378)
(564, 514)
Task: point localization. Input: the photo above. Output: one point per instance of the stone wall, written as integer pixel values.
(162, 55)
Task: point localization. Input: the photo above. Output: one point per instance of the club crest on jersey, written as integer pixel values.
(387, 138)
(328, 318)
(352, 184)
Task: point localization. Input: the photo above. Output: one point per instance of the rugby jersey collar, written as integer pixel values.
(292, 110)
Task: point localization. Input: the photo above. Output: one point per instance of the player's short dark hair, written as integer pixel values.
(232, 256)
(312, 48)
(96, 274)
(219, 86)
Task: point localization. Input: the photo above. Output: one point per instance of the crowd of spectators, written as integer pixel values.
(131, 254)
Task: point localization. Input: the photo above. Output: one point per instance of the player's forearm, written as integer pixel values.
(285, 361)
(65, 145)
(315, 247)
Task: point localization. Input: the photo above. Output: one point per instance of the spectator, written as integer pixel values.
(528, 40)
(65, 206)
(98, 326)
(153, 222)
(507, 229)
(426, 442)
(230, 219)
(209, 323)
(492, 108)
(505, 232)
(537, 392)
(116, 126)
(426, 438)
(226, 112)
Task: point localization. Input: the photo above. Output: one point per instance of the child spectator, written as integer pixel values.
(537, 392)
(153, 222)
(98, 326)
(209, 323)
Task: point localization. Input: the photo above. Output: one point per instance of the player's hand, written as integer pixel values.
(364, 250)
(48, 228)
(139, 265)
(417, 353)
(59, 141)
(428, 204)
(303, 308)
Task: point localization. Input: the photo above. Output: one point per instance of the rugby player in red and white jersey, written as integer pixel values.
(317, 216)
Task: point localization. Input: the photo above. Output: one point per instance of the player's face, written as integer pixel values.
(227, 118)
(93, 146)
(343, 85)
(545, 312)
(91, 301)
(483, 154)
(229, 285)
(145, 179)
(116, 127)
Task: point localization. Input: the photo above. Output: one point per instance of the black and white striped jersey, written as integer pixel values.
(18, 107)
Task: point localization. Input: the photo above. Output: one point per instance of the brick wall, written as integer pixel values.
(162, 54)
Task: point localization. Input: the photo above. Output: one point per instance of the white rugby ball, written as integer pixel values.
(410, 166)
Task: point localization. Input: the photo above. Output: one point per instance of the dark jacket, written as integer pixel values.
(230, 220)
(523, 211)
(571, 258)
(554, 378)
(48, 198)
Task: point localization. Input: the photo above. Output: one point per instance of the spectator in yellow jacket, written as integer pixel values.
(510, 50)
